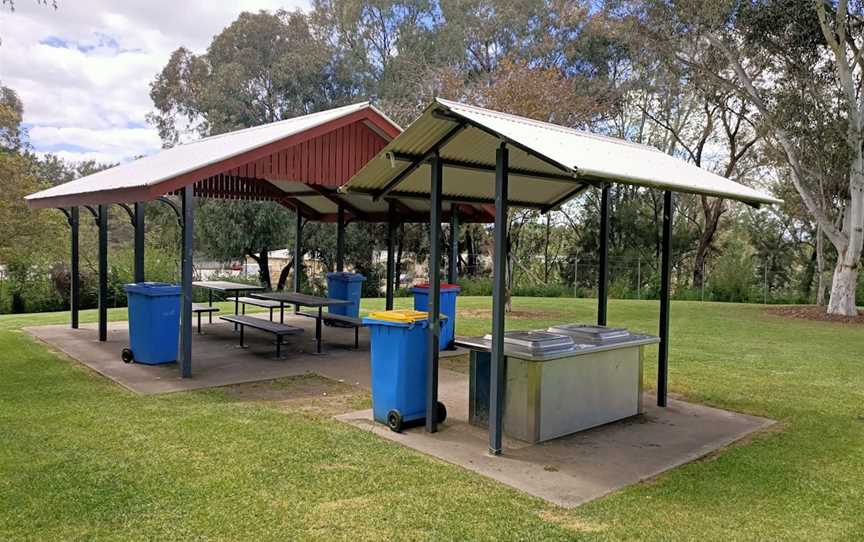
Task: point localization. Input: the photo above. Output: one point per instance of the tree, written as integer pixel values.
(789, 58)
(262, 68)
(244, 228)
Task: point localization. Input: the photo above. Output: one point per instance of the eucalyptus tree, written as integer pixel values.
(262, 68)
(791, 58)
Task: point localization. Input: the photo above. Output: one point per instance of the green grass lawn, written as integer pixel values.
(82, 459)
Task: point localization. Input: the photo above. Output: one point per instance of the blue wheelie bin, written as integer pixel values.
(449, 292)
(347, 286)
(154, 322)
(399, 351)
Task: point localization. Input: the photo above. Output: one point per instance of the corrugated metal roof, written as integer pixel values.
(137, 176)
(553, 162)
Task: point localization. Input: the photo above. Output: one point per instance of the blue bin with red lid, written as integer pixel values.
(449, 293)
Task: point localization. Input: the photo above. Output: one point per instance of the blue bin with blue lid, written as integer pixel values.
(347, 286)
(154, 322)
(449, 293)
(399, 350)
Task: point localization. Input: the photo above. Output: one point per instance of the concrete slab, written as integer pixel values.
(579, 468)
(568, 471)
(217, 359)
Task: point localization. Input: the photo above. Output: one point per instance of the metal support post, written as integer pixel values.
(187, 203)
(499, 269)
(434, 293)
(340, 240)
(454, 245)
(665, 280)
(102, 221)
(74, 273)
(298, 251)
(139, 242)
(603, 272)
(391, 258)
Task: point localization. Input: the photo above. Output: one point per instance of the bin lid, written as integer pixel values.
(444, 286)
(152, 289)
(399, 317)
(536, 343)
(345, 276)
(592, 333)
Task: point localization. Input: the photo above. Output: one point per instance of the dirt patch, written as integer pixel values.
(569, 521)
(813, 312)
(516, 314)
(309, 394)
(458, 364)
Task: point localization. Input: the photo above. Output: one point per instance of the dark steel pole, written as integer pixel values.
(434, 293)
(499, 270)
(139, 242)
(102, 219)
(454, 245)
(340, 240)
(603, 272)
(298, 251)
(188, 203)
(391, 259)
(74, 273)
(665, 280)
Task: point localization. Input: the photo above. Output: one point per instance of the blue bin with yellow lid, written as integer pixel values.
(399, 343)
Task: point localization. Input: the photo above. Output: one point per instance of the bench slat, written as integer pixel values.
(347, 320)
(266, 303)
(197, 307)
(264, 325)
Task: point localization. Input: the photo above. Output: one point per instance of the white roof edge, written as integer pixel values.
(326, 116)
(754, 195)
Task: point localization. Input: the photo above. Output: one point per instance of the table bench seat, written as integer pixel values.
(198, 309)
(275, 328)
(254, 301)
(339, 320)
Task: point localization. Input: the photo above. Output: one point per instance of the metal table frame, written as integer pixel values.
(226, 288)
(302, 300)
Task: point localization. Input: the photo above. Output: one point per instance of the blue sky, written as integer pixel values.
(83, 71)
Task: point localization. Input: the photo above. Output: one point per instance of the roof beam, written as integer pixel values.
(460, 164)
(455, 117)
(567, 195)
(443, 140)
(340, 201)
(300, 207)
(460, 199)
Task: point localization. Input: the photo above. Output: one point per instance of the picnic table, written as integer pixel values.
(225, 287)
(302, 300)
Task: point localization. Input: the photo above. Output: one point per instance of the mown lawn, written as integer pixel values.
(82, 459)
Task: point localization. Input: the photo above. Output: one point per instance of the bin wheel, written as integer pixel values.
(126, 356)
(394, 421)
(442, 412)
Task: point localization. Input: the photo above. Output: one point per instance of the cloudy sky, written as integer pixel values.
(83, 71)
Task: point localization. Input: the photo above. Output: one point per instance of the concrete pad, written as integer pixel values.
(579, 468)
(568, 471)
(217, 359)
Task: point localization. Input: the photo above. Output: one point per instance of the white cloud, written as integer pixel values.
(83, 71)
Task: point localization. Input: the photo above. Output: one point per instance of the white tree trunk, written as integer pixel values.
(820, 267)
(843, 289)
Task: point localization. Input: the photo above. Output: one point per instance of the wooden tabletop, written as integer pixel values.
(304, 300)
(225, 286)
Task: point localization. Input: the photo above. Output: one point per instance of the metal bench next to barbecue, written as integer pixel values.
(277, 329)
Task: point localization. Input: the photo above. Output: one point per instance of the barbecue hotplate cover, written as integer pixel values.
(537, 343)
(592, 333)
